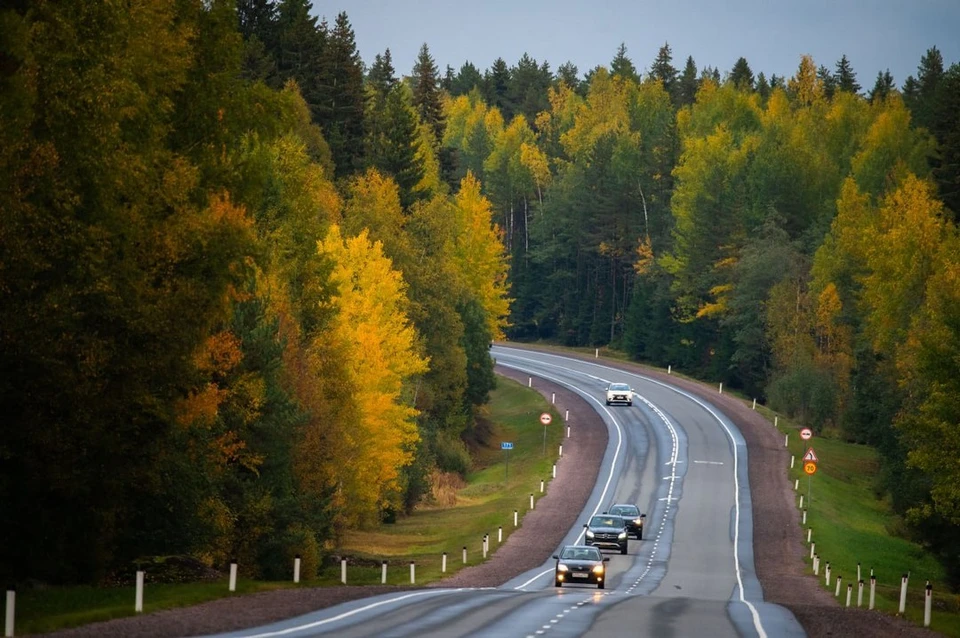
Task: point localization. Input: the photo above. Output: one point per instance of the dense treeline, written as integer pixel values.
(248, 283)
(240, 312)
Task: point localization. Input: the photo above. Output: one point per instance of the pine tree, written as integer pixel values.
(689, 83)
(446, 83)
(741, 76)
(622, 66)
(663, 70)
(527, 89)
(763, 87)
(343, 101)
(426, 93)
(394, 142)
(381, 77)
(846, 77)
(567, 73)
(299, 49)
(882, 87)
(919, 95)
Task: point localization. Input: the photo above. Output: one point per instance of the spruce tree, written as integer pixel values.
(689, 83)
(741, 76)
(622, 66)
(763, 87)
(846, 77)
(664, 71)
(298, 51)
(920, 94)
(882, 87)
(466, 80)
(343, 102)
(381, 77)
(496, 81)
(426, 93)
(828, 81)
(394, 141)
(567, 73)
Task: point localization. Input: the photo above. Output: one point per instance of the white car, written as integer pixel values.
(619, 393)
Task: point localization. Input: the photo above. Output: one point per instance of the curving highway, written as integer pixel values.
(676, 456)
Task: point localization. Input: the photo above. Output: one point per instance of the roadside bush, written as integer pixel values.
(806, 394)
(278, 551)
(452, 454)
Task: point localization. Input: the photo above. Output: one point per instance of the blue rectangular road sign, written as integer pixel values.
(506, 445)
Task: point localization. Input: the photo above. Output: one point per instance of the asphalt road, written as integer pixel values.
(684, 464)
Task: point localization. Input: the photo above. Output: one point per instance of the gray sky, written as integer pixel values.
(771, 35)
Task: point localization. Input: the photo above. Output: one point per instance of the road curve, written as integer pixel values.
(676, 456)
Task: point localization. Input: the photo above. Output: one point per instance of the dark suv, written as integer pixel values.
(631, 517)
(606, 531)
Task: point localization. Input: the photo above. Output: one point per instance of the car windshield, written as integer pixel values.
(580, 553)
(625, 510)
(619, 386)
(606, 521)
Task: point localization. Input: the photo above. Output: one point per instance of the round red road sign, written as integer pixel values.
(545, 418)
(806, 434)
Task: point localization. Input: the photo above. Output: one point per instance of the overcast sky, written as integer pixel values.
(771, 35)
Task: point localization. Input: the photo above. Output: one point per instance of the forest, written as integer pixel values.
(248, 280)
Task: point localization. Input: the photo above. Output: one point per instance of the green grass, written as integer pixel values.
(487, 501)
(851, 525)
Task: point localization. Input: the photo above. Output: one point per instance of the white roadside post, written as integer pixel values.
(776, 420)
(566, 415)
(568, 431)
(849, 592)
(531, 500)
(826, 574)
(343, 571)
(596, 354)
(138, 597)
(754, 404)
(464, 554)
(792, 460)
(669, 368)
(413, 573)
(541, 486)
(816, 565)
(553, 398)
(529, 382)
(721, 388)
(809, 533)
(837, 593)
(860, 594)
(554, 472)
(796, 484)
(873, 590)
(383, 572)
(514, 518)
(927, 604)
(786, 439)
(499, 534)
(443, 563)
(813, 547)
(296, 569)
(561, 450)
(903, 593)
(804, 521)
(858, 571)
(233, 575)
(483, 546)
(10, 615)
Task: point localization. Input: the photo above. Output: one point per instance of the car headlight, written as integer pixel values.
(598, 569)
(562, 568)
(638, 521)
(589, 534)
(622, 534)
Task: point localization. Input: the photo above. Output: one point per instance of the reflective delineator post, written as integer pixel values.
(138, 597)
(669, 368)
(464, 554)
(873, 590)
(816, 565)
(826, 574)
(849, 592)
(813, 546)
(858, 571)
(484, 545)
(343, 571)
(796, 485)
(531, 501)
(383, 572)
(801, 501)
(499, 534)
(903, 593)
(233, 575)
(860, 594)
(776, 420)
(792, 460)
(553, 398)
(809, 533)
(754, 404)
(10, 615)
(566, 415)
(529, 382)
(837, 593)
(721, 388)
(554, 472)
(596, 354)
(514, 518)
(568, 431)
(804, 521)
(296, 569)
(443, 563)
(541, 486)
(927, 604)
(413, 573)
(786, 439)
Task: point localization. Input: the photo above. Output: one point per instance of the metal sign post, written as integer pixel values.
(506, 446)
(545, 418)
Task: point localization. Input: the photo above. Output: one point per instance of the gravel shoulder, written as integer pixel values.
(778, 546)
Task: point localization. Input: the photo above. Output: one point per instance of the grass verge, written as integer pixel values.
(501, 482)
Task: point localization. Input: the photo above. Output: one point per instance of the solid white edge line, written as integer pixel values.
(758, 625)
(318, 623)
(613, 463)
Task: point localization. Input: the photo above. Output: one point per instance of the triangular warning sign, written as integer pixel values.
(811, 456)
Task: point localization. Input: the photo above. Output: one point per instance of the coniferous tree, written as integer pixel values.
(567, 73)
(663, 70)
(394, 142)
(622, 66)
(496, 81)
(527, 89)
(846, 77)
(343, 104)
(689, 83)
(446, 83)
(827, 80)
(299, 50)
(763, 87)
(946, 127)
(919, 94)
(777, 81)
(382, 76)
(468, 78)
(741, 75)
(426, 92)
(882, 87)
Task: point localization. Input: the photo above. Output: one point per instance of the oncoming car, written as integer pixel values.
(631, 517)
(619, 393)
(580, 564)
(606, 531)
